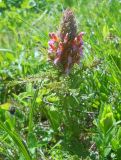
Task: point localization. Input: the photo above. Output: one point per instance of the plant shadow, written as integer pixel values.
(79, 147)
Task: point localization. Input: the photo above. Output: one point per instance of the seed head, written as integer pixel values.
(68, 25)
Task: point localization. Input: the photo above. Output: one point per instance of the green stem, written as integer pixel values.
(32, 111)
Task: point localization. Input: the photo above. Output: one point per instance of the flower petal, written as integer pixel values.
(56, 60)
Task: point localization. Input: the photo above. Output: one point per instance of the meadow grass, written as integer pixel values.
(60, 117)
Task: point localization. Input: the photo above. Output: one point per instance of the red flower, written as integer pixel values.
(66, 50)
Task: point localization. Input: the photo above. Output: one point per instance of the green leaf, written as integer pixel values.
(52, 99)
(1, 58)
(29, 88)
(39, 100)
(107, 122)
(32, 141)
(106, 118)
(53, 116)
(119, 135)
(115, 144)
(17, 140)
(10, 56)
(33, 104)
(5, 106)
(105, 31)
(28, 4)
(107, 151)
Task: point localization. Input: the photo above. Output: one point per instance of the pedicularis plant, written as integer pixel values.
(65, 50)
(67, 113)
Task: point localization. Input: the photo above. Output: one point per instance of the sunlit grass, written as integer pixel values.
(58, 116)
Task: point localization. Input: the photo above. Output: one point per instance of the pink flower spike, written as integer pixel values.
(66, 38)
(54, 37)
(66, 45)
(69, 59)
(75, 40)
(79, 37)
(50, 50)
(51, 42)
(81, 42)
(59, 52)
(60, 46)
(81, 34)
(52, 47)
(50, 35)
(56, 60)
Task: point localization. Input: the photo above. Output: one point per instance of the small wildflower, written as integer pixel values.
(65, 47)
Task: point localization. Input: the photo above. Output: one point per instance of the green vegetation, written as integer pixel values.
(45, 114)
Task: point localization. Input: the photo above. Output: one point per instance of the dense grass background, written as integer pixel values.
(47, 115)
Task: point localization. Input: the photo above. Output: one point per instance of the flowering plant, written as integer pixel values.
(65, 47)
